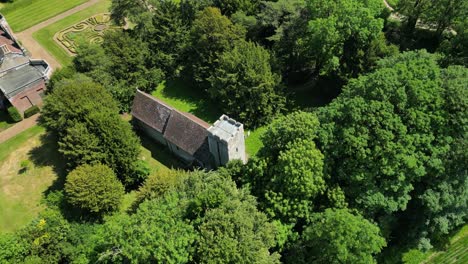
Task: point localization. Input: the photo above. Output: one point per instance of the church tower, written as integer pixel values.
(226, 141)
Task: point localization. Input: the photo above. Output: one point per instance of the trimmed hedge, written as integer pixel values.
(14, 114)
(31, 111)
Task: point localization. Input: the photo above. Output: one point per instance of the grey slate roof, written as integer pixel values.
(151, 111)
(184, 130)
(17, 80)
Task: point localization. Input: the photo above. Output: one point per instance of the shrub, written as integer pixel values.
(31, 111)
(14, 114)
(94, 188)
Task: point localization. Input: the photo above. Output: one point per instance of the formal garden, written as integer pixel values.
(90, 30)
(45, 36)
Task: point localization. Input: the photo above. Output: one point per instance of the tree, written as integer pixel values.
(229, 7)
(455, 48)
(286, 129)
(245, 86)
(121, 64)
(338, 236)
(442, 13)
(167, 37)
(236, 232)
(294, 182)
(210, 36)
(71, 100)
(94, 188)
(330, 36)
(156, 233)
(90, 131)
(388, 140)
(44, 240)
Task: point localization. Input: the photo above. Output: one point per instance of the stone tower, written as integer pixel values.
(226, 141)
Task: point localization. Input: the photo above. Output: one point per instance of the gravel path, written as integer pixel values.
(36, 50)
(18, 128)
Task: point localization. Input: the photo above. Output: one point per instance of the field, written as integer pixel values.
(22, 189)
(23, 14)
(45, 36)
(457, 253)
(183, 97)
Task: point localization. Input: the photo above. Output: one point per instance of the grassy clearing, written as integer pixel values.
(184, 97)
(21, 190)
(457, 253)
(23, 14)
(45, 36)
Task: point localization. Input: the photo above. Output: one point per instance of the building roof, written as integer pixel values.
(186, 131)
(19, 79)
(225, 128)
(151, 111)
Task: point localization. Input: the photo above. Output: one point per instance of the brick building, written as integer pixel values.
(22, 79)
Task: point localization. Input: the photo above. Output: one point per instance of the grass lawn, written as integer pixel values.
(45, 36)
(457, 253)
(21, 192)
(183, 97)
(23, 14)
(5, 121)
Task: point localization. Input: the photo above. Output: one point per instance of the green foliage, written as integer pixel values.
(331, 36)
(338, 236)
(90, 131)
(94, 188)
(210, 36)
(413, 256)
(229, 7)
(236, 232)
(42, 241)
(121, 65)
(31, 111)
(454, 48)
(286, 129)
(244, 85)
(393, 142)
(155, 233)
(287, 176)
(294, 182)
(158, 184)
(14, 114)
(442, 13)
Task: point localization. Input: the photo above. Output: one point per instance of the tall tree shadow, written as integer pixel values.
(47, 154)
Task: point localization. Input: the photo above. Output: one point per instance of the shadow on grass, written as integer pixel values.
(47, 154)
(5, 120)
(160, 152)
(184, 91)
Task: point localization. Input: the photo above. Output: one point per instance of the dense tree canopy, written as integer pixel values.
(89, 130)
(338, 236)
(362, 150)
(94, 188)
(210, 36)
(245, 85)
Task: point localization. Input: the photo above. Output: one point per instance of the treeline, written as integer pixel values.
(379, 170)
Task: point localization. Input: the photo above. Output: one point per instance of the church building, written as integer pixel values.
(191, 139)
